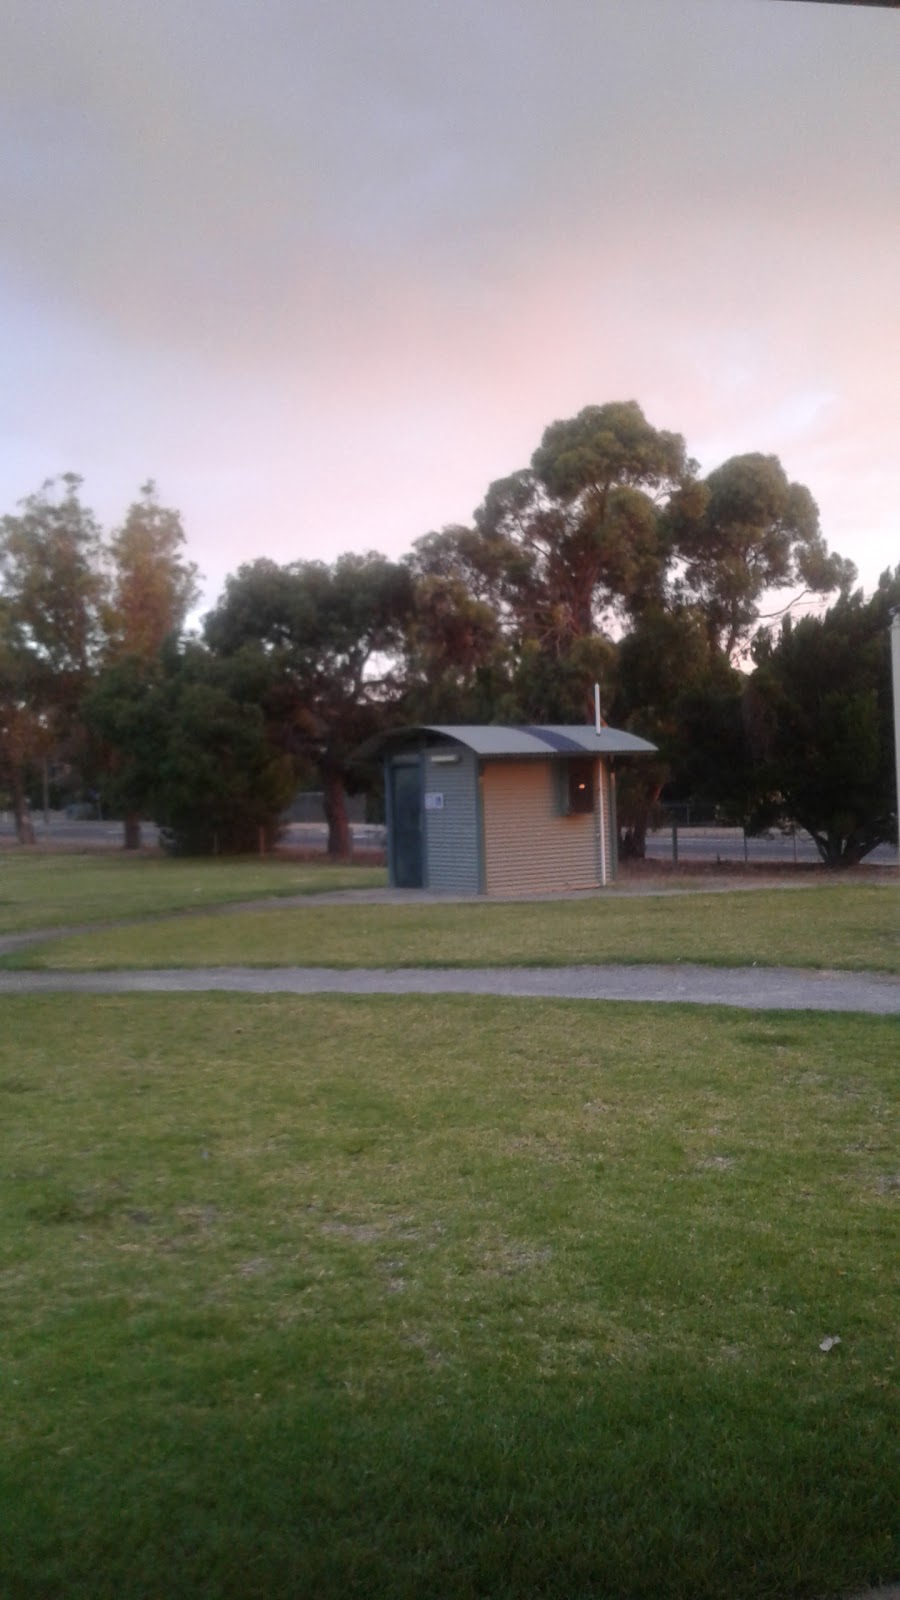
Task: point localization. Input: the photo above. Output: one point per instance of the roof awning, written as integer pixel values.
(528, 740)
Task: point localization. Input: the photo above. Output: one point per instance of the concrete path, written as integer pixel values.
(751, 988)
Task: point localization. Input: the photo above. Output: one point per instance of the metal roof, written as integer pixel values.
(494, 739)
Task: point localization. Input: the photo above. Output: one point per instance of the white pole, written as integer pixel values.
(601, 793)
(895, 664)
(601, 820)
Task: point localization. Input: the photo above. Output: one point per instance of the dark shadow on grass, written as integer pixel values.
(603, 1483)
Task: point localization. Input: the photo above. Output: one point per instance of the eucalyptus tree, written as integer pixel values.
(575, 539)
(328, 637)
(565, 553)
(609, 557)
(152, 589)
(53, 588)
(740, 532)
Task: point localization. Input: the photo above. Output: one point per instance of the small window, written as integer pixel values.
(578, 787)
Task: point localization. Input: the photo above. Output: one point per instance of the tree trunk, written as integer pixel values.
(132, 839)
(633, 842)
(24, 825)
(834, 850)
(334, 799)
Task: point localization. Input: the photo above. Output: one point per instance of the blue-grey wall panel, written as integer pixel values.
(451, 819)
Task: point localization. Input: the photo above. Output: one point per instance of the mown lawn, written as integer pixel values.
(849, 926)
(416, 1298)
(54, 890)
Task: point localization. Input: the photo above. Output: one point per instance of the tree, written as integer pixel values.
(153, 586)
(221, 786)
(20, 731)
(52, 588)
(821, 724)
(575, 539)
(562, 553)
(153, 589)
(188, 738)
(51, 573)
(607, 559)
(711, 753)
(320, 631)
(456, 659)
(659, 662)
(128, 709)
(741, 531)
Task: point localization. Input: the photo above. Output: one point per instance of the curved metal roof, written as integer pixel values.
(494, 739)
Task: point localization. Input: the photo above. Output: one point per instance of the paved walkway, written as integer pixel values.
(751, 988)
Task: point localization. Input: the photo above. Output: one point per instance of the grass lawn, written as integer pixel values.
(444, 1298)
(48, 890)
(851, 926)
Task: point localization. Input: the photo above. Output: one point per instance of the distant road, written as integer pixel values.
(728, 844)
(694, 844)
(108, 835)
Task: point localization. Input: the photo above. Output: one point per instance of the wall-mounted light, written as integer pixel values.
(451, 759)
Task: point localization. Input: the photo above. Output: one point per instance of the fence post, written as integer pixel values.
(674, 843)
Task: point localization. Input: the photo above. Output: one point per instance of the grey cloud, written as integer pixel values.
(221, 173)
(278, 227)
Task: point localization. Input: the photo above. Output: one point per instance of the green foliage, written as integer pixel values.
(711, 750)
(153, 588)
(576, 537)
(221, 783)
(608, 560)
(52, 588)
(127, 707)
(312, 633)
(85, 619)
(22, 733)
(546, 690)
(605, 559)
(189, 743)
(558, 552)
(743, 530)
(51, 575)
(658, 663)
(456, 659)
(822, 723)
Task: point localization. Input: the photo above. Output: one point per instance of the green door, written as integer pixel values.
(406, 823)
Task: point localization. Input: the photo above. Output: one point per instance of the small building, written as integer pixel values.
(502, 810)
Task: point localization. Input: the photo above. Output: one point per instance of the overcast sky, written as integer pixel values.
(325, 268)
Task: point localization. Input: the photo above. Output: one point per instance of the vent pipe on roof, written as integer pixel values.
(597, 722)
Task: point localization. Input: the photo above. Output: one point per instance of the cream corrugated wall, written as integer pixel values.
(528, 846)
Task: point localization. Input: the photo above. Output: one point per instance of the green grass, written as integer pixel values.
(49, 890)
(850, 926)
(457, 1298)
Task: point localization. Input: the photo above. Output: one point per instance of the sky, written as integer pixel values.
(324, 269)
